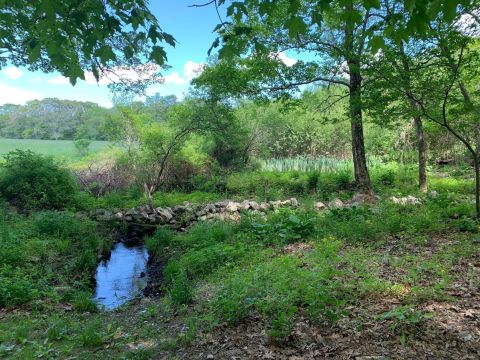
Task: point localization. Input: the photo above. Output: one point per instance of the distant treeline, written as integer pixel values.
(54, 119)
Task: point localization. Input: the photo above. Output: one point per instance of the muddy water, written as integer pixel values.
(121, 277)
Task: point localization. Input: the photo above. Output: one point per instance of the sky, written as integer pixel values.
(191, 27)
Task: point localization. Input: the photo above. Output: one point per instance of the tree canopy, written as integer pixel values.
(114, 38)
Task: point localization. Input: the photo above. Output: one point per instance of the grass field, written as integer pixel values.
(62, 149)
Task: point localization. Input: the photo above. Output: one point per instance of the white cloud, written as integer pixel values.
(13, 72)
(14, 95)
(191, 70)
(59, 80)
(285, 59)
(174, 78)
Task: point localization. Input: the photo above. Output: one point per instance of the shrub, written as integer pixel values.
(32, 181)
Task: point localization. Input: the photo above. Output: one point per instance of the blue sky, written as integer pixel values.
(192, 27)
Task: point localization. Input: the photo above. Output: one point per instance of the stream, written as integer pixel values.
(122, 276)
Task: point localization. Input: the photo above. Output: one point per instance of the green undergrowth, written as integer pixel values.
(275, 269)
(47, 257)
(235, 271)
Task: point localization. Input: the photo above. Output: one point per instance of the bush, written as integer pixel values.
(32, 181)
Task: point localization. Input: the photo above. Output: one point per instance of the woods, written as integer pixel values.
(308, 187)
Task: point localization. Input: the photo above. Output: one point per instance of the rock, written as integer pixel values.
(131, 212)
(201, 213)
(320, 206)
(234, 216)
(245, 205)
(164, 214)
(336, 204)
(254, 206)
(264, 207)
(232, 207)
(103, 215)
(294, 202)
(286, 202)
(361, 198)
(210, 208)
(275, 204)
(407, 200)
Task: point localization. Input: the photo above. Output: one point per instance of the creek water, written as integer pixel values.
(122, 276)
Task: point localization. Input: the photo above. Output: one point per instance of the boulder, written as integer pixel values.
(234, 216)
(286, 203)
(407, 200)
(320, 206)
(245, 205)
(254, 205)
(103, 215)
(210, 208)
(275, 204)
(232, 206)
(264, 207)
(164, 214)
(336, 204)
(361, 199)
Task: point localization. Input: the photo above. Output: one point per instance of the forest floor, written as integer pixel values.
(440, 327)
(367, 283)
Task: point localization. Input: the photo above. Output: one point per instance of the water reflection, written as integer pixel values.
(122, 277)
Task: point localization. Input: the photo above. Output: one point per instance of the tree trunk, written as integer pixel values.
(422, 154)
(476, 164)
(149, 194)
(362, 178)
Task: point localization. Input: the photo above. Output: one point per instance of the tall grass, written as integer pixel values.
(323, 164)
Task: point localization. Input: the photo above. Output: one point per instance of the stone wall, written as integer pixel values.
(182, 216)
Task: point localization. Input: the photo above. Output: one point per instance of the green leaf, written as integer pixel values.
(34, 54)
(376, 43)
(295, 26)
(449, 10)
(215, 44)
(158, 55)
(106, 54)
(170, 40)
(75, 72)
(369, 4)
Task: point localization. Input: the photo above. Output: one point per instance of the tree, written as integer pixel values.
(162, 141)
(338, 39)
(439, 86)
(115, 38)
(82, 146)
